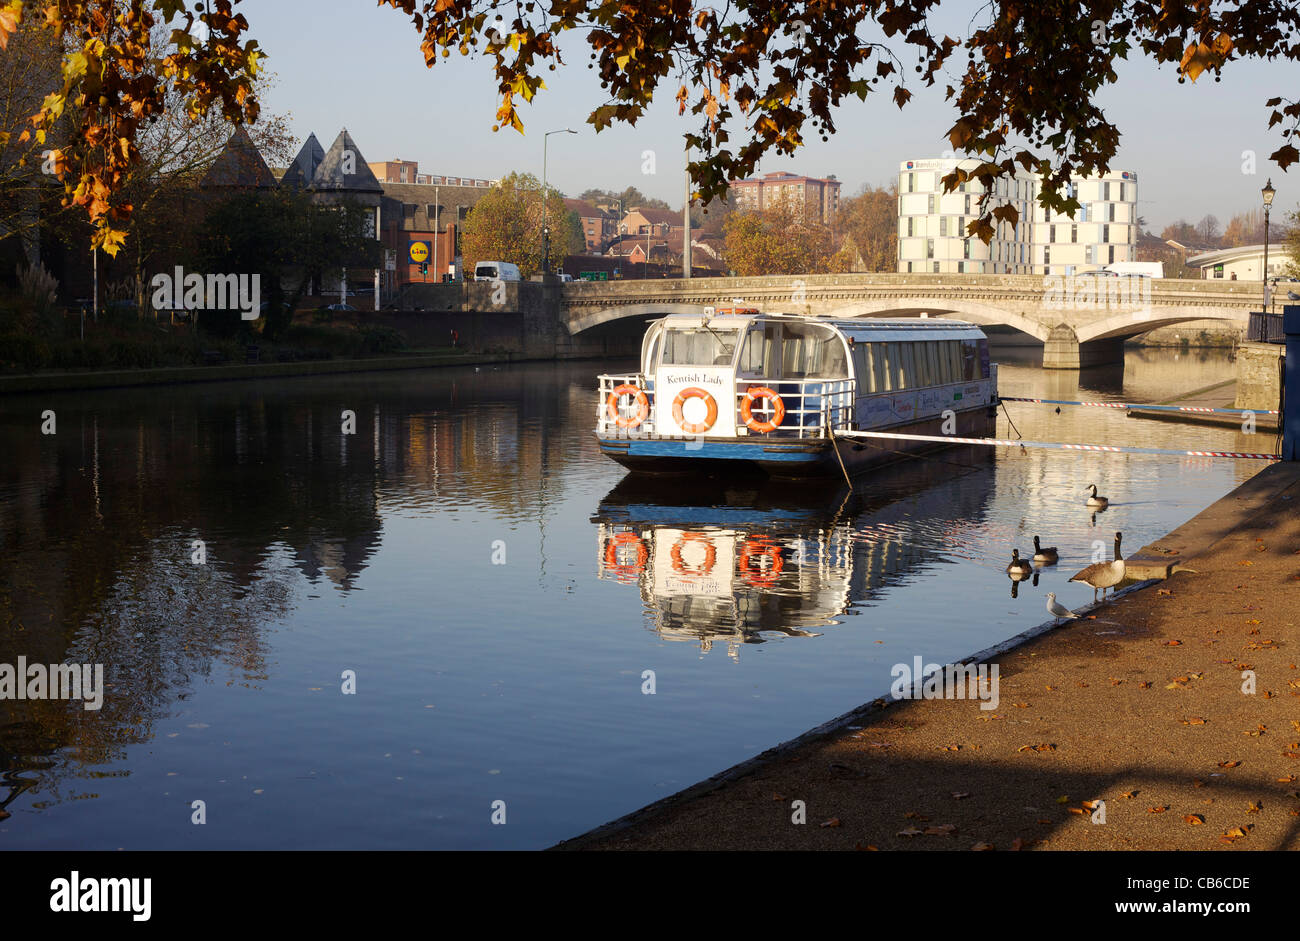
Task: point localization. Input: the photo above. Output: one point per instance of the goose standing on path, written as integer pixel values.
(1096, 502)
(1045, 555)
(1103, 575)
(1019, 569)
(1058, 610)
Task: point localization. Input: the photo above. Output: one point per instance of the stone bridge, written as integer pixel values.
(1081, 320)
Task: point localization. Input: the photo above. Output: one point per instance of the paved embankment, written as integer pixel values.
(1147, 705)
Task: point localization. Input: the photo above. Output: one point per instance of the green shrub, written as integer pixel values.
(18, 350)
(379, 339)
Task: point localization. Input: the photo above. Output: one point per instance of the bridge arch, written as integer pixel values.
(585, 318)
(974, 311)
(1130, 323)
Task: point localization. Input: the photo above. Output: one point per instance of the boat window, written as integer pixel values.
(956, 371)
(900, 366)
(652, 349)
(809, 351)
(699, 346)
(970, 360)
(866, 381)
(758, 357)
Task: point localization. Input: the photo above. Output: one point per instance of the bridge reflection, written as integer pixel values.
(743, 563)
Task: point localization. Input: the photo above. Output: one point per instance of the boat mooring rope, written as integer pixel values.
(1057, 445)
(1158, 408)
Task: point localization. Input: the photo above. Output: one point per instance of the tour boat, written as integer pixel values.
(735, 389)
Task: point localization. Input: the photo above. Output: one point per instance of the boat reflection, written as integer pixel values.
(743, 562)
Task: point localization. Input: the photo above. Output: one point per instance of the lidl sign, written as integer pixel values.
(419, 252)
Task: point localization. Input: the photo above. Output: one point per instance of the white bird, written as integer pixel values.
(1103, 575)
(1045, 555)
(1058, 610)
(1096, 501)
(1019, 569)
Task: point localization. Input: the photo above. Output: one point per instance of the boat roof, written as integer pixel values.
(861, 329)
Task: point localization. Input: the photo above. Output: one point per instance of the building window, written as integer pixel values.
(929, 248)
(909, 225)
(943, 225)
(1083, 212)
(1074, 233)
(961, 267)
(1047, 254)
(909, 267)
(1105, 233)
(1051, 233)
(1105, 192)
(1088, 255)
(965, 248)
(401, 173)
(931, 204)
(1112, 254)
(1110, 210)
(936, 267)
(911, 182)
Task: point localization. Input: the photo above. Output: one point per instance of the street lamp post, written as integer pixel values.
(546, 231)
(1268, 193)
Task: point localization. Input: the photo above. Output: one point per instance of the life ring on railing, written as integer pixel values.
(625, 570)
(642, 405)
(710, 555)
(758, 548)
(695, 428)
(752, 394)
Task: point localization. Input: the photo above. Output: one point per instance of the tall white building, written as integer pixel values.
(932, 224)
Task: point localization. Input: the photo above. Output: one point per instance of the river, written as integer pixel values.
(427, 633)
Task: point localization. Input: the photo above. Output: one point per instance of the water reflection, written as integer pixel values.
(742, 563)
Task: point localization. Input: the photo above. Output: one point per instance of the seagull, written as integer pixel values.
(1019, 569)
(1103, 575)
(1099, 502)
(1045, 555)
(1058, 610)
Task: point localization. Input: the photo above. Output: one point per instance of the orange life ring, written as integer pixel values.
(695, 428)
(642, 405)
(747, 409)
(625, 569)
(759, 548)
(710, 555)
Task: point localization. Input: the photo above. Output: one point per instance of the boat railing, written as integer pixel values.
(607, 423)
(811, 406)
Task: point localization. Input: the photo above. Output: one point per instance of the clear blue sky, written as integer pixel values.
(348, 63)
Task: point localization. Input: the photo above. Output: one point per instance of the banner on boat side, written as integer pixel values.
(716, 381)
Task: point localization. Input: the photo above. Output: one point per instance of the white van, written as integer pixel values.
(496, 271)
(1143, 269)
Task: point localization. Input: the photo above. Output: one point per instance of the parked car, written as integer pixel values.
(340, 307)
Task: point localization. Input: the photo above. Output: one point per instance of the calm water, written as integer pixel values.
(455, 553)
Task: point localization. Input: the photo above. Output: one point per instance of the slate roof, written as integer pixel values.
(330, 176)
(304, 165)
(239, 164)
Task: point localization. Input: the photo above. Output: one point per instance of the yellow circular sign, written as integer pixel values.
(419, 252)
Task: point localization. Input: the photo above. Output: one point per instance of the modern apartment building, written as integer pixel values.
(815, 199)
(932, 235)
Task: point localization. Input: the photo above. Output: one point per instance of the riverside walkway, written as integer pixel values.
(1177, 704)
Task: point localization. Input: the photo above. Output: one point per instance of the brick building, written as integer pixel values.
(813, 198)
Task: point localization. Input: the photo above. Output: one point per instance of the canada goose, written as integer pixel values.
(1096, 501)
(1103, 575)
(1045, 555)
(1019, 569)
(1058, 610)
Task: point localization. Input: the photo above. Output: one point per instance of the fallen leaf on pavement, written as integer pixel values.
(1193, 819)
